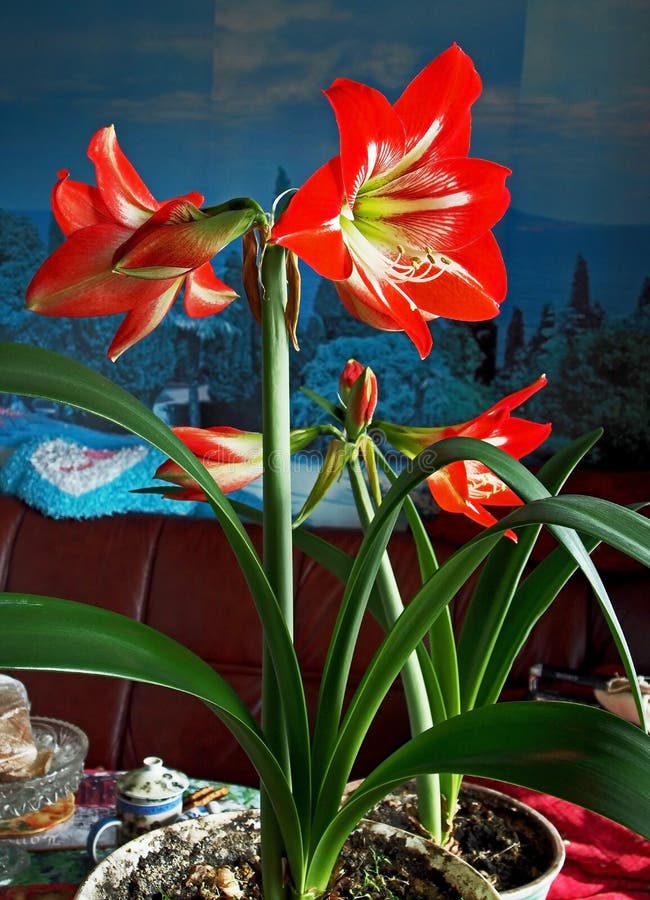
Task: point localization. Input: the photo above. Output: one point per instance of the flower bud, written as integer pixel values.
(351, 371)
(361, 397)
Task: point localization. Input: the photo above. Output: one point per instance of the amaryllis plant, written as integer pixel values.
(401, 222)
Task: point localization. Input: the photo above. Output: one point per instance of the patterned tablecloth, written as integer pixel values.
(57, 856)
(604, 861)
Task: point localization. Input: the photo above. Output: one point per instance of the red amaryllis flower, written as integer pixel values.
(465, 486)
(231, 456)
(127, 253)
(401, 219)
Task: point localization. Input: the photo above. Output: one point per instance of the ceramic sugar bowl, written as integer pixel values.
(145, 798)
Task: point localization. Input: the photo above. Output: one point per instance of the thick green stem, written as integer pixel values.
(277, 550)
(419, 710)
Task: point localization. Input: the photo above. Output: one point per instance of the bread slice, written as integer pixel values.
(18, 751)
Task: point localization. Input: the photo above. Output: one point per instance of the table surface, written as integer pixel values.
(604, 860)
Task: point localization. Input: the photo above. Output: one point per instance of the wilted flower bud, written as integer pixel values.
(293, 297)
(250, 274)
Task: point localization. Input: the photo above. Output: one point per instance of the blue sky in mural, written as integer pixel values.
(217, 95)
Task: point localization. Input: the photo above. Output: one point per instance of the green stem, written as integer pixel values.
(443, 679)
(419, 710)
(277, 548)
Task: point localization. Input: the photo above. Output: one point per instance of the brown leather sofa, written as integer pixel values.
(178, 575)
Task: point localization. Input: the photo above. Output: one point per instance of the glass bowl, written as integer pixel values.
(69, 745)
(13, 862)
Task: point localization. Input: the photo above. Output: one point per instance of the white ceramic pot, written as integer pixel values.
(188, 842)
(548, 835)
(534, 828)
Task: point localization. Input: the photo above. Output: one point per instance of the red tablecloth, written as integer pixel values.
(603, 860)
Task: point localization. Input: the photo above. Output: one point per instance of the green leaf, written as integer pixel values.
(533, 597)
(579, 753)
(492, 597)
(330, 472)
(358, 588)
(442, 679)
(42, 373)
(388, 661)
(334, 411)
(53, 634)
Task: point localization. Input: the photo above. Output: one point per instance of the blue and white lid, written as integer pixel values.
(152, 782)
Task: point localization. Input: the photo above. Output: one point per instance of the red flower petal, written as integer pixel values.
(76, 205)
(517, 398)
(447, 205)
(145, 316)
(471, 286)
(450, 490)
(517, 437)
(178, 238)
(371, 134)
(383, 305)
(232, 457)
(221, 443)
(77, 279)
(122, 189)
(435, 106)
(206, 294)
(310, 224)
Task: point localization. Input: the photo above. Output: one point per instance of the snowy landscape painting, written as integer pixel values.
(197, 93)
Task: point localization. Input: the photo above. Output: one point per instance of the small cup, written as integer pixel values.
(145, 799)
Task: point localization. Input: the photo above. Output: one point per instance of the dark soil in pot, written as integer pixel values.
(490, 833)
(371, 867)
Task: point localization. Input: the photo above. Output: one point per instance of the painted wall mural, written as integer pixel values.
(225, 98)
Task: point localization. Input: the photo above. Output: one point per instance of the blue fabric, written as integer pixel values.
(67, 479)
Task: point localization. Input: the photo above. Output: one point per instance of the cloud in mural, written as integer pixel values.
(565, 104)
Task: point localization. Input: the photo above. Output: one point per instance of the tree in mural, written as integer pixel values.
(421, 396)
(515, 348)
(609, 387)
(20, 250)
(485, 335)
(582, 313)
(596, 369)
(55, 236)
(643, 302)
(335, 318)
(544, 333)
(144, 370)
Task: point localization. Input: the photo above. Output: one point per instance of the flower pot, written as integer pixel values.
(513, 845)
(536, 830)
(165, 859)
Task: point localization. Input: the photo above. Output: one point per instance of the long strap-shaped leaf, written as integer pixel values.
(579, 753)
(493, 594)
(337, 664)
(366, 564)
(386, 664)
(616, 524)
(42, 373)
(441, 678)
(50, 633)
(532, 598)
